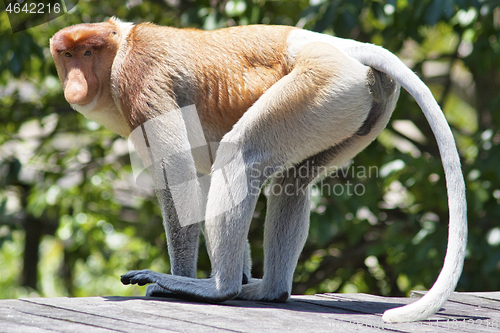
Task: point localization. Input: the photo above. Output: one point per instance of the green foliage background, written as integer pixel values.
(72, 220)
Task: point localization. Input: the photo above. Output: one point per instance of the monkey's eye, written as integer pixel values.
(67, 55)
(88, 53)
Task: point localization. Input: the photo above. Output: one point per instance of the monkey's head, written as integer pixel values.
(83, 55)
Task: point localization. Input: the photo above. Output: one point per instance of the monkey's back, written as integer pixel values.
(223, 72)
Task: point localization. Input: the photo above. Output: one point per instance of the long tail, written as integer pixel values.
(385, 61)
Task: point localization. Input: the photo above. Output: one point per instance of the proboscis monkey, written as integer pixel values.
(275, 99)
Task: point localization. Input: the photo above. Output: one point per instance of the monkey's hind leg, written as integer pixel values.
(285, 233)
(287, 218)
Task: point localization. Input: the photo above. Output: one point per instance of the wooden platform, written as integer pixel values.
(465, 312)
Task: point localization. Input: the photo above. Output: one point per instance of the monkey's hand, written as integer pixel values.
(153, 290)
(141, 277)
(201, 289)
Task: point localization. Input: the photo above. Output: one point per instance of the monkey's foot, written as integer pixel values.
(202, 289)
(154, 290)
(256, 291)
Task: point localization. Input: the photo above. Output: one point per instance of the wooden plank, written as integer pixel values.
(454, 316)
(17, 327)
(378, 304)
(128, 319)
(20, 315)
(240, 316)
(492, 295)
(320, 313)
(467, 298)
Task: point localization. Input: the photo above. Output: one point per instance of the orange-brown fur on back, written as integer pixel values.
(222, 72)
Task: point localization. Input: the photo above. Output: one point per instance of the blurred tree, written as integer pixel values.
(72, 219)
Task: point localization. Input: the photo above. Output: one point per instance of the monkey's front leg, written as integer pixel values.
(181, 198)
(182, 243)
(171, 165)
(229, 211)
